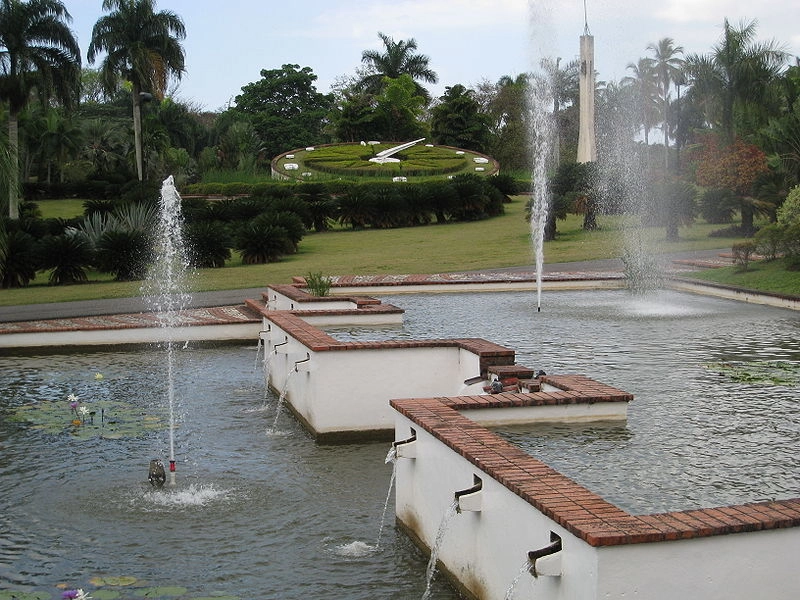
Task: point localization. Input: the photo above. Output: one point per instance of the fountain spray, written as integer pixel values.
(540, 107)
(165, 289)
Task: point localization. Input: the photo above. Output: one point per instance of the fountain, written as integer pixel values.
(165, 290)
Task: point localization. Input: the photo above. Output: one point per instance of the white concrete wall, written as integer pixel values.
(278, 301)
(349, 390)
(759, 564)
(486, 550)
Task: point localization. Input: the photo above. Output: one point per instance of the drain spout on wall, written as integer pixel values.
(547, 560)
(406, 448)
(470, 498)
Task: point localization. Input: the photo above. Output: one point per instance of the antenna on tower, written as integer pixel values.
(585, 20)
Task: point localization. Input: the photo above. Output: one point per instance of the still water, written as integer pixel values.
(695, 435)
(254, 514)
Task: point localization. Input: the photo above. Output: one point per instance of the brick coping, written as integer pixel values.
(315, 339)
(582, 512)
(194, 317)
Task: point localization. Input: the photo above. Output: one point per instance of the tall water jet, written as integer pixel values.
(540, 108)
(165, 289)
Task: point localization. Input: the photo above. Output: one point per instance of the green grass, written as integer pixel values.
(499, 242)
(767, 276)
(66, 208)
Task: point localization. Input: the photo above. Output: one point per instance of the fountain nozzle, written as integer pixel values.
(172, 466)
(538, 309)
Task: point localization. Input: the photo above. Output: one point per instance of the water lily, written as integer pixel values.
(98, 376)
(78, 594)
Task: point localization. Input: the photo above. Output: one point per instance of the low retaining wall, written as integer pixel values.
(341, 390)
(744, 551)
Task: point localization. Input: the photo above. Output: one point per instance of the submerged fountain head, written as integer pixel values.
(157, 475)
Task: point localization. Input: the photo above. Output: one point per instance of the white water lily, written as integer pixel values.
(82, 596)
(83, 411)
(72, 398)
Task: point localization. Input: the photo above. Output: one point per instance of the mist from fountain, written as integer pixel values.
(166, 290)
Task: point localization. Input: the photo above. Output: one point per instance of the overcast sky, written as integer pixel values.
(229, 42)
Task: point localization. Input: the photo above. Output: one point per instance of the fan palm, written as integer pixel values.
(143, 47)
(397, 59)
(38, 52)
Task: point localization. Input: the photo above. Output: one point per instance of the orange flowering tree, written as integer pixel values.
(735, 167)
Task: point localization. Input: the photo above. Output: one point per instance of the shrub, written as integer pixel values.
(124, 253)
(68, 255)
(286, 220)
(769, 240)
(21, 261)
(743, 253)
(791, 244)
(209, 244)
(718, 206)
(507, 184)
(318, 284)
(789, 212)
(261, 243)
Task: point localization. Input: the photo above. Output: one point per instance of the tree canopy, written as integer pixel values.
(285, 108)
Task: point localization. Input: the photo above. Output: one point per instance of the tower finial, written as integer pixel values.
(585, 20)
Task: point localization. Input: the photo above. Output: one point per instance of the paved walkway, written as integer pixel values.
(215, 308)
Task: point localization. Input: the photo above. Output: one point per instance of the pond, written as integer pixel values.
(255, 513)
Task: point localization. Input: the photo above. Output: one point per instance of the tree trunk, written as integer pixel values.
(13, 171)
(747, 218)
(137, 129)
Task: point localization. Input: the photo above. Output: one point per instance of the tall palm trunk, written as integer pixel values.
(13, 172)
(137, 128)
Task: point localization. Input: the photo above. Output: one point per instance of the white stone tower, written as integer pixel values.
(587, 147)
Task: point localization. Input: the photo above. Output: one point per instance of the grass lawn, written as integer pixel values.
(499, 242)
(773, 276)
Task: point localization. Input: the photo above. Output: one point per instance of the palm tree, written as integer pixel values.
(143, 47)
(38, 52)
(737, 79)
(564, 85)
(738, 74)
(668, 68)
(397, 59)
(643, 84)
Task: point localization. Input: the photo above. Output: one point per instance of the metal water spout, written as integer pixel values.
(470, 499)
(304, 364)
(406, 448)
(281, 345)
(547, 560)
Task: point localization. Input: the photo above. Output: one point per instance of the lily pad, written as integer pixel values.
(111, 419)
(115, 581)
(766, 372)
(161, 592)
(106, 595)
(12, 595)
